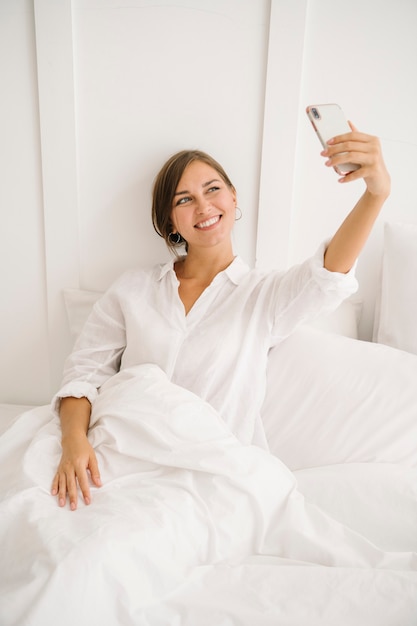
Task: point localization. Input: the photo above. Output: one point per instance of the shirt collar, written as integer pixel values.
(236, 271)
(163, 269)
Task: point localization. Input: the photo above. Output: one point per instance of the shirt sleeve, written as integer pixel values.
(97, 352)
(306, 291)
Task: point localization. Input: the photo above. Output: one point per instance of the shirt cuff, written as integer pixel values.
(76, 389)
(345, 284)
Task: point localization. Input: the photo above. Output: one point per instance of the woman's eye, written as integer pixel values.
(214, 188)
(183, 200)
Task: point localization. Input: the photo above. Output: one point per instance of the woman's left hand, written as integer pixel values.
(365, 151)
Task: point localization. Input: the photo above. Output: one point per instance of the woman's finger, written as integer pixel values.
(358, 158)
(94, 470)
(62, 489)
(55, 484)
(84, 485)
(71, 487)
(342, 147)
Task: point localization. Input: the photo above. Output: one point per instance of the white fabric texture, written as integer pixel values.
(331, 399)
(362, 494)
(11, 412)
(219, 350)
(190, 527)
(396, 309)
(344, 320)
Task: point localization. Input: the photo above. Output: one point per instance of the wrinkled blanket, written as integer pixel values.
(190, 527)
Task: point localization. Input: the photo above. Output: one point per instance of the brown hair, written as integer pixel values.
(165, 186)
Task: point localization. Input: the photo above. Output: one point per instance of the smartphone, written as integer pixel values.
(328, 120)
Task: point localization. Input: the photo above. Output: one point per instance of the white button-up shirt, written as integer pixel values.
(219, 349)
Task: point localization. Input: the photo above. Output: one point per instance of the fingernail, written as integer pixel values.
(87, 501)
(61, 502)
(72, 506)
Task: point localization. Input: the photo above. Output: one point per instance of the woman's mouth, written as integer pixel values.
(208, 223)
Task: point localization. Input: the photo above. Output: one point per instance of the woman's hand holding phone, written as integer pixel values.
(362, 150)
(351, 153)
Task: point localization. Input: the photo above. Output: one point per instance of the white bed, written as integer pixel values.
(228, 543)
(191, 528)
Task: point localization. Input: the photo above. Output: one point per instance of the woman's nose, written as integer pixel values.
(203, 205)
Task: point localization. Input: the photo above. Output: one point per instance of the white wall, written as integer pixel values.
(362, 55)
(24, 361)
(153, 78)
(111, 88)
(96, 94)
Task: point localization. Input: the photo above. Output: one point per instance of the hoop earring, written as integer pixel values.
(174, 238)
(240, 214)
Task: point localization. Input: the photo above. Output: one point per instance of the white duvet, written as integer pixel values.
(192, 528)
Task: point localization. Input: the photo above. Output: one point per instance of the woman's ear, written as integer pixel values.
(171, 224)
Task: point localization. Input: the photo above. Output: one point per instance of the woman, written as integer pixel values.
(205, 318)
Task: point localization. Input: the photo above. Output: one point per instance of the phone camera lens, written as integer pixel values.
(315, 113)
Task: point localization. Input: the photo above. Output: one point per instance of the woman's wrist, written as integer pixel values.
(75, 418)
(70, 435)
(377, 198)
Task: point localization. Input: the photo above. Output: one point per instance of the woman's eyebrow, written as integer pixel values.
(209, 182)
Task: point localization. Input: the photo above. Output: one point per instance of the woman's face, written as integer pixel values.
(204, 206)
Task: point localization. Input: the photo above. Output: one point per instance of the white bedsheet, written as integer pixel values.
(192, 528)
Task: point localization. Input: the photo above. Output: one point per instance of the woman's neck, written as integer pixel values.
(203, 265)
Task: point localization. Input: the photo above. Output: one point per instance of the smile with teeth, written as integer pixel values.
(208, 223)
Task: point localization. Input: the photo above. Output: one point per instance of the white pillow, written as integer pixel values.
(78, 304)
(331, 399)
(396, 309)
(343, 321)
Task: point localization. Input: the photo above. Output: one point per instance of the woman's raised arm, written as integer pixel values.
(350, 238)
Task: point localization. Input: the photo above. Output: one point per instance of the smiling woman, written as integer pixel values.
(204, 213)
(205, 318)
(168, 192)
(207, 207)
